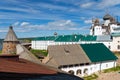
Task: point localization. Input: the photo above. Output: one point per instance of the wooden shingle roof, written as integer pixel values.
(66, 55)
(11, 65)
(11, 36)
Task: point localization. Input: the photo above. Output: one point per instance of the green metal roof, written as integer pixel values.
(45, 38)
(115, 34)
(98, 52)
(89, 38)
(68, 38)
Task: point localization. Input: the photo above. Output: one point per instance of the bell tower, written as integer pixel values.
(10, 42)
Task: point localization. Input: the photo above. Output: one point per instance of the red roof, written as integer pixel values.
(11, 64)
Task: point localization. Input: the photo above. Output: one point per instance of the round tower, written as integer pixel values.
(10, 42)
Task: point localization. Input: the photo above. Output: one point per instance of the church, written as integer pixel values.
(106, 32)
(109, 26)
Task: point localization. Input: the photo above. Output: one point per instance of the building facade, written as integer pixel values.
(107, 33)
(80, 60)
(108, 26)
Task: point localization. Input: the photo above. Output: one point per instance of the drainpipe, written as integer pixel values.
(100, 66)
(114, 64)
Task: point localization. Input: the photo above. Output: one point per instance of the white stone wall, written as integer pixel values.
(90, 69)
(112, 45)
(115, 45)
(106, 22)
(42, 45)
(91, 32)
(114, 28)
(98, 30)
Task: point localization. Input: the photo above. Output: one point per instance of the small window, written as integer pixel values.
(118, 46)
(109, 47)
(106, 65)
(91, 68)
(66, 50)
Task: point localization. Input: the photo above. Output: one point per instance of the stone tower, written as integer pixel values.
(10, 42)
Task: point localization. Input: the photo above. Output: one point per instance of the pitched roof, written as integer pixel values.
(98, 52)
(68, 38)
(9, 65)
(13, 68)
(88, 38)
(104, 38)
(26, 54)
(61, 55)
(66, 55)
(45, 38)
(11, 36)
(115, 34)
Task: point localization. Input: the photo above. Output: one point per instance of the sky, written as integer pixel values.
(35, 18)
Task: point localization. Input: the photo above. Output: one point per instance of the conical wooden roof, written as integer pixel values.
(11, 36)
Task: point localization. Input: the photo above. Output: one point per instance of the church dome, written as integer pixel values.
(107, 16)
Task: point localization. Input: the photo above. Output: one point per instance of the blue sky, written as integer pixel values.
(32, 18)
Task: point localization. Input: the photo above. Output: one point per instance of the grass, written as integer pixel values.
(43, 52)
(117, 54)
(0, 51)
(112, 69)
(91, 77)
(94, 76)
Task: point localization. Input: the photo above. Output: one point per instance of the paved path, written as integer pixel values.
(109, 76)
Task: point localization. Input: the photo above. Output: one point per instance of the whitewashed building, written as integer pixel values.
(80, 59)
(110, 25)
(42, 43)
(107, 33)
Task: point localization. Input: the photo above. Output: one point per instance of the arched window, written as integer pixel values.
(79, 71)
(71, 72)
(86, 71)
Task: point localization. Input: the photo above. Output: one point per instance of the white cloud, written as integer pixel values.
(88, 21)
(51, 6)
(56, 25)
(103, 4)
(3, 30)
(59, 25)
(108, 3)
(24, 24)
(15, 24)
(87, 5)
